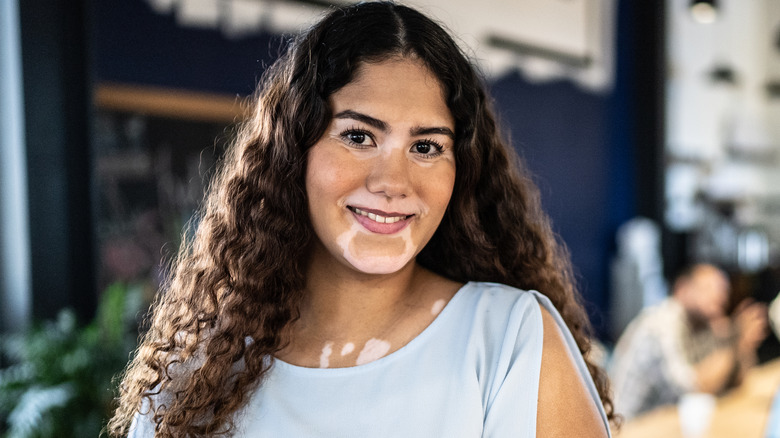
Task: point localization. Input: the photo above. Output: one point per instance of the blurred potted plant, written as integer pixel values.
(60, 381)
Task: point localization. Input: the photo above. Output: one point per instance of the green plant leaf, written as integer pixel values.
(29, 414)
(60, 381)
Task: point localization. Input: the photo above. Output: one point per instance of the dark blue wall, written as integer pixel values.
(562, 133)
(578, 144)
(54, 45)
(595, 157)
(135, 45)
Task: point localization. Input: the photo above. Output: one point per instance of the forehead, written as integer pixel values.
(395, 89)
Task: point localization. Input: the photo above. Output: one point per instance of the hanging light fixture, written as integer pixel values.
(704, 11)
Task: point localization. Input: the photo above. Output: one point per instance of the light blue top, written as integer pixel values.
(473, 372)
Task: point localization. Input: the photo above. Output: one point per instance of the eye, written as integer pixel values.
(357, 137)
(422, 148)
(427, 149)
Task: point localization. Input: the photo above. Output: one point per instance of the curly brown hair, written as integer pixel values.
(242, 275)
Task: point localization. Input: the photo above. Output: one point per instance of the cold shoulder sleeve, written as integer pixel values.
(511, 408)
(512, 389)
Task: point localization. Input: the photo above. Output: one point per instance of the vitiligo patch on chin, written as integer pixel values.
(376, 254)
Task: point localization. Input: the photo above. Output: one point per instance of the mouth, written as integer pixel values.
(384, 218)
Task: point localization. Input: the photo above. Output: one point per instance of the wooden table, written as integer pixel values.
(742, 412)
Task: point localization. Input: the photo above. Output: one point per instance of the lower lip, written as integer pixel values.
(380, 228)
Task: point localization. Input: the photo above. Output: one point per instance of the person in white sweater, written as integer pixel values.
(685, 344)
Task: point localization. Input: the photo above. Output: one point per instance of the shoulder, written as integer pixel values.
(566, 406)
(528, 342)
(497, 297)
(502, 317)
(509, 311)
(504, 327)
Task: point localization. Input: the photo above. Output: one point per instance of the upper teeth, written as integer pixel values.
(378, 218)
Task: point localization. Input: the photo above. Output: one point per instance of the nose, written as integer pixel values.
(390, 175)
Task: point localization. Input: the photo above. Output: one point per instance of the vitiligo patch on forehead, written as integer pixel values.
(373, 350)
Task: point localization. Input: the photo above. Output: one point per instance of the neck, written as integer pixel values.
(348, 318)
(340, 301)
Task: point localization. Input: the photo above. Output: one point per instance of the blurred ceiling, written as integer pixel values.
(545, 39)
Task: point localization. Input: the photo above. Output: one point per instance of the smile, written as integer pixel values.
(378, 218)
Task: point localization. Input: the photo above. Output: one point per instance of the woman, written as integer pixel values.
(334, 284)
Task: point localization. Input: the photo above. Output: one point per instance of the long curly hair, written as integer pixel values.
(242, 275)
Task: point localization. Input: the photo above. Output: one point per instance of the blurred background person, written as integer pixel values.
(687, 343)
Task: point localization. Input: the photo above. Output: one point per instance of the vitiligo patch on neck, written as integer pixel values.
(373, 350)
(438, 306)
(325, 356)
(349, 347)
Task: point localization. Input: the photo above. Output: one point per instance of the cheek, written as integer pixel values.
(327, 177)
(318, 173)
(319, 185)
(437, 189)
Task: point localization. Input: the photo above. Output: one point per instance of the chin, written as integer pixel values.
(379, 265)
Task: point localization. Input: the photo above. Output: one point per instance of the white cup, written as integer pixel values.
(695, 410)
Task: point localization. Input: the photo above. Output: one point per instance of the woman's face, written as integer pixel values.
(380, 178)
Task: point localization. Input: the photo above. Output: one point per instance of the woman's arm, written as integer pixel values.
(565, 408)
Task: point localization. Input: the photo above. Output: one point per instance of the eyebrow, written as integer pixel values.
(379, 124)
(442, 130)
(368, 120)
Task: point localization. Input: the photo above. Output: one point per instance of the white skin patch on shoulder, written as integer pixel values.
(349, 347)
(325, 356)
(438, 306)
(373, 350)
